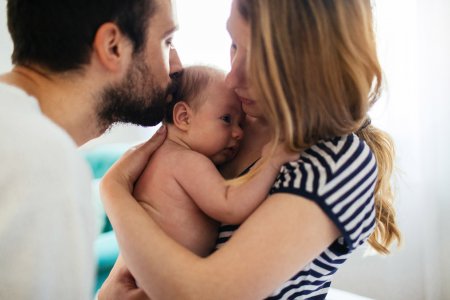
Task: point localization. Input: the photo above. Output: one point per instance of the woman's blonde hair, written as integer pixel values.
(315, 65)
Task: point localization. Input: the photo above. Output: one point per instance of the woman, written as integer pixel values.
(306, 79)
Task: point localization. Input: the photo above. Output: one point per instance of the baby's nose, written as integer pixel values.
(238, 133)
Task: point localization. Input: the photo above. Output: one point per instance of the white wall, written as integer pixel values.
(415, 52)
(414, 44)
(433, 28)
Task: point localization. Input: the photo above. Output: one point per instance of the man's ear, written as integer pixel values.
(112, 48)
(182, 115)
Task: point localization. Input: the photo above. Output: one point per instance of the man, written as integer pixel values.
(79, 66)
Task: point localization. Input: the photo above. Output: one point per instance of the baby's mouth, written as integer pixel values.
(231, 151)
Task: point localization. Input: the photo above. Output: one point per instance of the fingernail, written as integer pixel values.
(161, 129)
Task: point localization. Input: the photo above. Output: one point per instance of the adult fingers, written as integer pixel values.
(128, 168)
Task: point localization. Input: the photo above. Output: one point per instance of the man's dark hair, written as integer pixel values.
(58, 34)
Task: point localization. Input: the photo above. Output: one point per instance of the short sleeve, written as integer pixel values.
(47, 224)
(339, 175)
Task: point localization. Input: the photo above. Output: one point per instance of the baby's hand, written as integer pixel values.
(279, 156)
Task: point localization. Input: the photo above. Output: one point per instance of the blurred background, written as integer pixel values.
(414, 49)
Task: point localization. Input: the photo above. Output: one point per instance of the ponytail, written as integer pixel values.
(386, 229)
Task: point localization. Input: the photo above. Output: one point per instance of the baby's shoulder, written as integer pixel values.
(179, 156)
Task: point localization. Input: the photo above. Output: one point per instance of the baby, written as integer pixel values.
(181, 187)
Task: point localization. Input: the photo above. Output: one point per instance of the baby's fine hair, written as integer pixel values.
(189, 86)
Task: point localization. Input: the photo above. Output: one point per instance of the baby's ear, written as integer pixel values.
(182, 114)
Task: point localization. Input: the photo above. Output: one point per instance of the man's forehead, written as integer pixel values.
(164, 17)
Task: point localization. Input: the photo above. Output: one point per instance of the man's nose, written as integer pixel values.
(175, 63)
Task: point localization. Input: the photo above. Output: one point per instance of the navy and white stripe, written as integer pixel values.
(340, 176)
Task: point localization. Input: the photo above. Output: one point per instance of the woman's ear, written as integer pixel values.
(182, 115)
(112, 49)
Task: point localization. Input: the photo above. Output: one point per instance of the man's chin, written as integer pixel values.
(145, 123)
(150, 117)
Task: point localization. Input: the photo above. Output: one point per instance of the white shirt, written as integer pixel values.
(47, 225)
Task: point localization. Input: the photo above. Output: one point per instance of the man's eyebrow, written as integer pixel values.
(171, 30)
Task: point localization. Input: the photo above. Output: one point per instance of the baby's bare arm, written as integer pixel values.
(168, 204)
(227, 203)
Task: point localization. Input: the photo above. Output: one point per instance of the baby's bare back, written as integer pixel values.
(158, 191)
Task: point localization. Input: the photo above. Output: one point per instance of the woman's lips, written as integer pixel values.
(246, 101)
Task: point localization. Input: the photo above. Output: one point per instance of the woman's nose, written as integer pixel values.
(235, 78)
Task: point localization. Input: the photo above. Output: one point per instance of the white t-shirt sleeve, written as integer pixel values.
(47, 226)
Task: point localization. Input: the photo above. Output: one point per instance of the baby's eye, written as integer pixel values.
(226, 118)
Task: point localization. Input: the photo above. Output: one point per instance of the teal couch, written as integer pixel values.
(100, 159)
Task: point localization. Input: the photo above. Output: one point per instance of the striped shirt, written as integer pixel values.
(339, 175)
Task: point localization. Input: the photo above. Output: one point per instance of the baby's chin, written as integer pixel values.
(223, 158)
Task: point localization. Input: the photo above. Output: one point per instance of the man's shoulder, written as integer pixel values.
(22, 122)
(35, 148)
(39, 138)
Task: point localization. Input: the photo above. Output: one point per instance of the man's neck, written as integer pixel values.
(69, 102)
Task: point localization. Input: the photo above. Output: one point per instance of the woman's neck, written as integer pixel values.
(257, 133)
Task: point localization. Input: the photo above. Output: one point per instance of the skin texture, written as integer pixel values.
(181, 188)
(286, 232)
(199, 138)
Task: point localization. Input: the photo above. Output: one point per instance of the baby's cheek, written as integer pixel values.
(220, 159)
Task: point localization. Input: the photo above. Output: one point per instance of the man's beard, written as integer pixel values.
(137, 99)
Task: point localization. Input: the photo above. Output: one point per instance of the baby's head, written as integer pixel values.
(206, 113)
